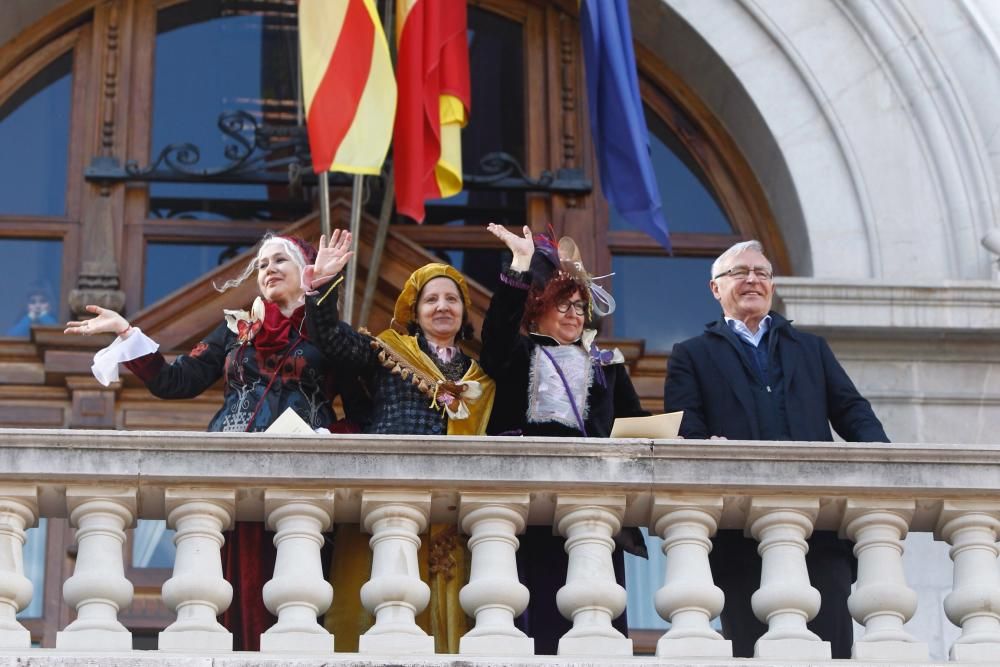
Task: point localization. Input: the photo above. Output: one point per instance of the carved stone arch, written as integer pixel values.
(869, 154)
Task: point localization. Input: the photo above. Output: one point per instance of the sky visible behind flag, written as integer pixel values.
(617, 123)
(348, 86)
(432, 71)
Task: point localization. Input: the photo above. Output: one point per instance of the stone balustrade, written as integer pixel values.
(491, 489)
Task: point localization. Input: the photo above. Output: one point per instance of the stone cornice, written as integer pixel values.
(869, 306)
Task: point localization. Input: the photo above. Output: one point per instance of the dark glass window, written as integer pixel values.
(666, 299)
(172, 265)
(662, 299)
(34, 567)
(32, 295)
(34, 133)
(688, 201)
(214, 59)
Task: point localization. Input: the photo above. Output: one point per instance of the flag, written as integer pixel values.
(347, 85)
(617, 123)
(432, 71)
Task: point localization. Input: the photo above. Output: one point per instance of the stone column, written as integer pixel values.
(689, 598)
(494, 596)
(881, 601)
(971, 528)
(591, 597)
(785, 600)
(98, 589)
(298, 592)
(197, 591)
(395, 594)
(18, 511)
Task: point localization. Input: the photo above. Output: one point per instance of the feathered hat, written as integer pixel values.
(551, 259)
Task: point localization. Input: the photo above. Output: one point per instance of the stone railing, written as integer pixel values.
(492, 488)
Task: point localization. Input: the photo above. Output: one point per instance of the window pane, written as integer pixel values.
(215, 57)
(34, 272)
(664, 300)
(34, 133)
(688, 202)
(170, 266)
(34, 568)
(153, 544)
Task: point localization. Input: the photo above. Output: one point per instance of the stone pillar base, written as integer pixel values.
(195, 640)
(94, 640)
(499, 646)
(296, 642)
(892, 650)
(594, 646)
(396, 643)
(792, 649)
(983, 652)
(694, 647)
(15, 639)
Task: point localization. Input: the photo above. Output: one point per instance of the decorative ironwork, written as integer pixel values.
(501, 171)
(271, 155)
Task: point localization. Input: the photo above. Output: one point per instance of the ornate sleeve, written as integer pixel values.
(189, 374)
(503, 344)
(345, 347)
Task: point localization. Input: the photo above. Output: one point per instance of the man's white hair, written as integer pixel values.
(737, 249)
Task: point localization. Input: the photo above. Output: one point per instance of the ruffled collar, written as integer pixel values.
(264, 325)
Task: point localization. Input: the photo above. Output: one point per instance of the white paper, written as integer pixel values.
(289, 423)
(659, 427)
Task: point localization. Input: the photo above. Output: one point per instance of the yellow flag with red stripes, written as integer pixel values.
(348, 85)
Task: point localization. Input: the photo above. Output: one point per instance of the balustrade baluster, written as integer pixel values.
(197, 591)
(591, 597)
(18, 511)
(494, 596)
(298, 593)
(98, 589)
(785, 600)
(395, 594)
(689, 599)
(881, 601)
(972, 528)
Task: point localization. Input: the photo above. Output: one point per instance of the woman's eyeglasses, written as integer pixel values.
(579, 307)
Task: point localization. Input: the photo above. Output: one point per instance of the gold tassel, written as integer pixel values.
(405, 374)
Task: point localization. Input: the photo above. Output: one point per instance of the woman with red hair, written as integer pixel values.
(552, 380)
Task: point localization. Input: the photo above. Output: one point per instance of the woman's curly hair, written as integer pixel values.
(559, 288)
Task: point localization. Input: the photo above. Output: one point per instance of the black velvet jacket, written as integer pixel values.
(506, 357)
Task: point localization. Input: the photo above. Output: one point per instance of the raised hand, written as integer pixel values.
(333, 256)
(107, 321)
(522, 247)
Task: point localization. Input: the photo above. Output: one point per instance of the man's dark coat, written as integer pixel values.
(708, 377)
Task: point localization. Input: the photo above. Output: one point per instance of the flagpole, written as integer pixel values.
(352, 266)
(324, 204)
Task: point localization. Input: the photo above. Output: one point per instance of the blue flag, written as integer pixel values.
(616, 119)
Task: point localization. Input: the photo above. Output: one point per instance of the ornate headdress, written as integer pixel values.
(551, 259)
(404, 311)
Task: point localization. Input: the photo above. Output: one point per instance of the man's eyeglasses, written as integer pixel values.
(742, 272)
(579, 307)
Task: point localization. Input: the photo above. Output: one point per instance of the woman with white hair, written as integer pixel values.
(268, 364)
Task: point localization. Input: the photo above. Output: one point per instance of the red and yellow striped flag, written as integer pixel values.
(347, 85)
(432, 71)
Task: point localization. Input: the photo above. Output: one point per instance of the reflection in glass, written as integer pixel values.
(34, 133)
(688, 202)
(31, 296)
(34, 568)
(662, 299)
(170, 266)
(212, 57)
(153, 544)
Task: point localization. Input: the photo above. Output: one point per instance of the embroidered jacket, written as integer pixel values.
(531, 396)
(306, 381)
(398, 406)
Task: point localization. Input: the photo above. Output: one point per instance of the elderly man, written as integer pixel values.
(752, 376)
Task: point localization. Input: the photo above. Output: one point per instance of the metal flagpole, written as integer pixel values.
(324, 205)
(352, 266)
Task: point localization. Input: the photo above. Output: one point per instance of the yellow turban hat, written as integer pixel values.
(404, 311)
